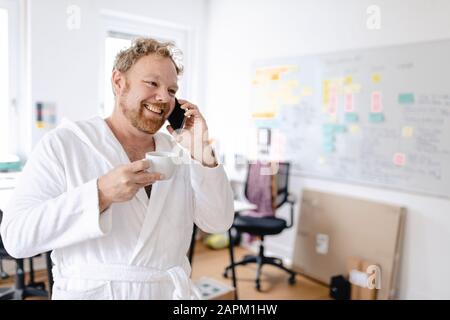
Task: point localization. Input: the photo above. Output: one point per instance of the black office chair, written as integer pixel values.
(266, 226)
(192, 246)
(3, 274)
(21, 290)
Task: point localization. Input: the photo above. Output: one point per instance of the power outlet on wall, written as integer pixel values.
(322, 241)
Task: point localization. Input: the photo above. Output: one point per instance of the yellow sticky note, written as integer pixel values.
(407, 132)
(376, 78)
(348, 80)
(285, 93)
(322, 160)
(354, 128)
(307, 91)
(263, 115)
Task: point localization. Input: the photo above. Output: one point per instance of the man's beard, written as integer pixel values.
(140, 121)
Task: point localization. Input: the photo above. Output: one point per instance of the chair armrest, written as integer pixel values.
(291, 199)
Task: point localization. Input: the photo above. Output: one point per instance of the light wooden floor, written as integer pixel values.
(211, 263)
(274, 282)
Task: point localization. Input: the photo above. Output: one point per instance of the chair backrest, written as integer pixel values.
(264, 189)
(258, 188)
(282, 184)
(3, 253)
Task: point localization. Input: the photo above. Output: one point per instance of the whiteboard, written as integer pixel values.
(378, 117)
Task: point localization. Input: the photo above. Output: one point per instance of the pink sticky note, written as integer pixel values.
(332, 105)
(399, 159)
(349, 102)
(375, 105)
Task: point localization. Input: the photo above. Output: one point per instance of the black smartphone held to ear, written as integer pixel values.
(176, 118)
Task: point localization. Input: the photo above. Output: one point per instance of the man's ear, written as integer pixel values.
(118, 81)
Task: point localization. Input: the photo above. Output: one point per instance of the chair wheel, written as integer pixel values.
(41, 287)
(292, 279)
(225, 274)
(258, 286)
(37, 285)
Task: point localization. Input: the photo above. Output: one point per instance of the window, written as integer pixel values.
(119, 31)
(4, 82)
(114, 43)
(8, 72)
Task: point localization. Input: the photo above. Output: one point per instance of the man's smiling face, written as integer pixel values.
(149, 93)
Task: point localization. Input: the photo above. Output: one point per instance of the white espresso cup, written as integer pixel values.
(162, 162)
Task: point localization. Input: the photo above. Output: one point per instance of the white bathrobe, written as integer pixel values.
(135, 249)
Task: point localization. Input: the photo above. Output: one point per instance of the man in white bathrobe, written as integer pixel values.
(116, 230)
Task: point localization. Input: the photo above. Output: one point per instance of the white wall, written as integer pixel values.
(241, 32)
(66, 64)
(65, 68)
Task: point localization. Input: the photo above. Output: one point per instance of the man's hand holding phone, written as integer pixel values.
(193, 135)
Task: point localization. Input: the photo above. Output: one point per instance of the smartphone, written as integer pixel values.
(176, 118)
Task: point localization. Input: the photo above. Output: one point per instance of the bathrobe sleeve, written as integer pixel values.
(42, 214)
(213, 198)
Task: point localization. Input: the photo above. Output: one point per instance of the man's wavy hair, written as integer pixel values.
(141, 47)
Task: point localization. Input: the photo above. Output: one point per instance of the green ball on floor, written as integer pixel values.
(217, 241)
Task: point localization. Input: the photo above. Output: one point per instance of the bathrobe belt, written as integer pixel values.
(110, 273)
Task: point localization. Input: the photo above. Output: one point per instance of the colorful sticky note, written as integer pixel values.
(328, 138)
(328, 129)
(328, 147)
(406, 98)
(326, 92)
(351, 117)
(399, 159)
(354, 129)
(407, 132)
(332, 103)
(349, 105)
(348, 80)
(376, 117)
(340, 128)
(307, 91)
(376, 78)
(326, 98)
(375, 104)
